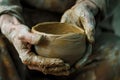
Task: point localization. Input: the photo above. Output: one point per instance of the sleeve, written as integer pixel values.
(11, 7)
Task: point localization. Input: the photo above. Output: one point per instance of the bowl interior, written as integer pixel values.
(56, 28)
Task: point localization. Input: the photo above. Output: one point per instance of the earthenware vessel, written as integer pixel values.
(60, 40)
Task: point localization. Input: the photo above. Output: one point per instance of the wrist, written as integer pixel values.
(5, 18)
(100, 4)
(7, 21)
(7, 24)
(90, 5)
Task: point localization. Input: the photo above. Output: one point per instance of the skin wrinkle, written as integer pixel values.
(41, 62)
(45, 70)
(14, 31)
(93, 4)
(81, 14)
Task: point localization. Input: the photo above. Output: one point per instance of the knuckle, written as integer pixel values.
(26, 59)
(21, 36)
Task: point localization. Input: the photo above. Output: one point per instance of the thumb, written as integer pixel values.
(65, 17)
(88, 23)
(31, 38)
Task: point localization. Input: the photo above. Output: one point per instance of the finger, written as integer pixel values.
(58, 69)
(54, 62)
(30, 38)
(45, 71)
(88, 22)
(26, 36)
(35, 68)
(46, 62)
(62, 73)
(49, 69)
(50, 62)
(24, 51)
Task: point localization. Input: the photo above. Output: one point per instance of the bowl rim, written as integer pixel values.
(48, 34)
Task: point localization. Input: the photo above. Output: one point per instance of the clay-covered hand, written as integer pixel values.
(82, 14)
(22, 39)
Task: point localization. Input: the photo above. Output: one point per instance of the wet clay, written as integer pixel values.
(60, 40)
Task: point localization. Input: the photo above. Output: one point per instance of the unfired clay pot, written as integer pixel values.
(60, 40)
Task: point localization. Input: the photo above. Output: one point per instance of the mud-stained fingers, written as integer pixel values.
(47, 63)
(54, 71)
(50, 61)
(88, 22)
(50, 69)
(58, 68)
(62, 73)
(30, 38)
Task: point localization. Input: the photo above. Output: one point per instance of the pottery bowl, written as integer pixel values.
(60, 40)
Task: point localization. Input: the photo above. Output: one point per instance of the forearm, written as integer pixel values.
(10, 16)
(6, 18)
(11, 7)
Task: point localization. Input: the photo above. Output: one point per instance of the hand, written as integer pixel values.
(22, 39)
(82, 14)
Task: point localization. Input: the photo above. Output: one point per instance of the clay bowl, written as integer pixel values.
(60, 40)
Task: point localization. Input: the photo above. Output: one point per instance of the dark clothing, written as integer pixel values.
(103, 64)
